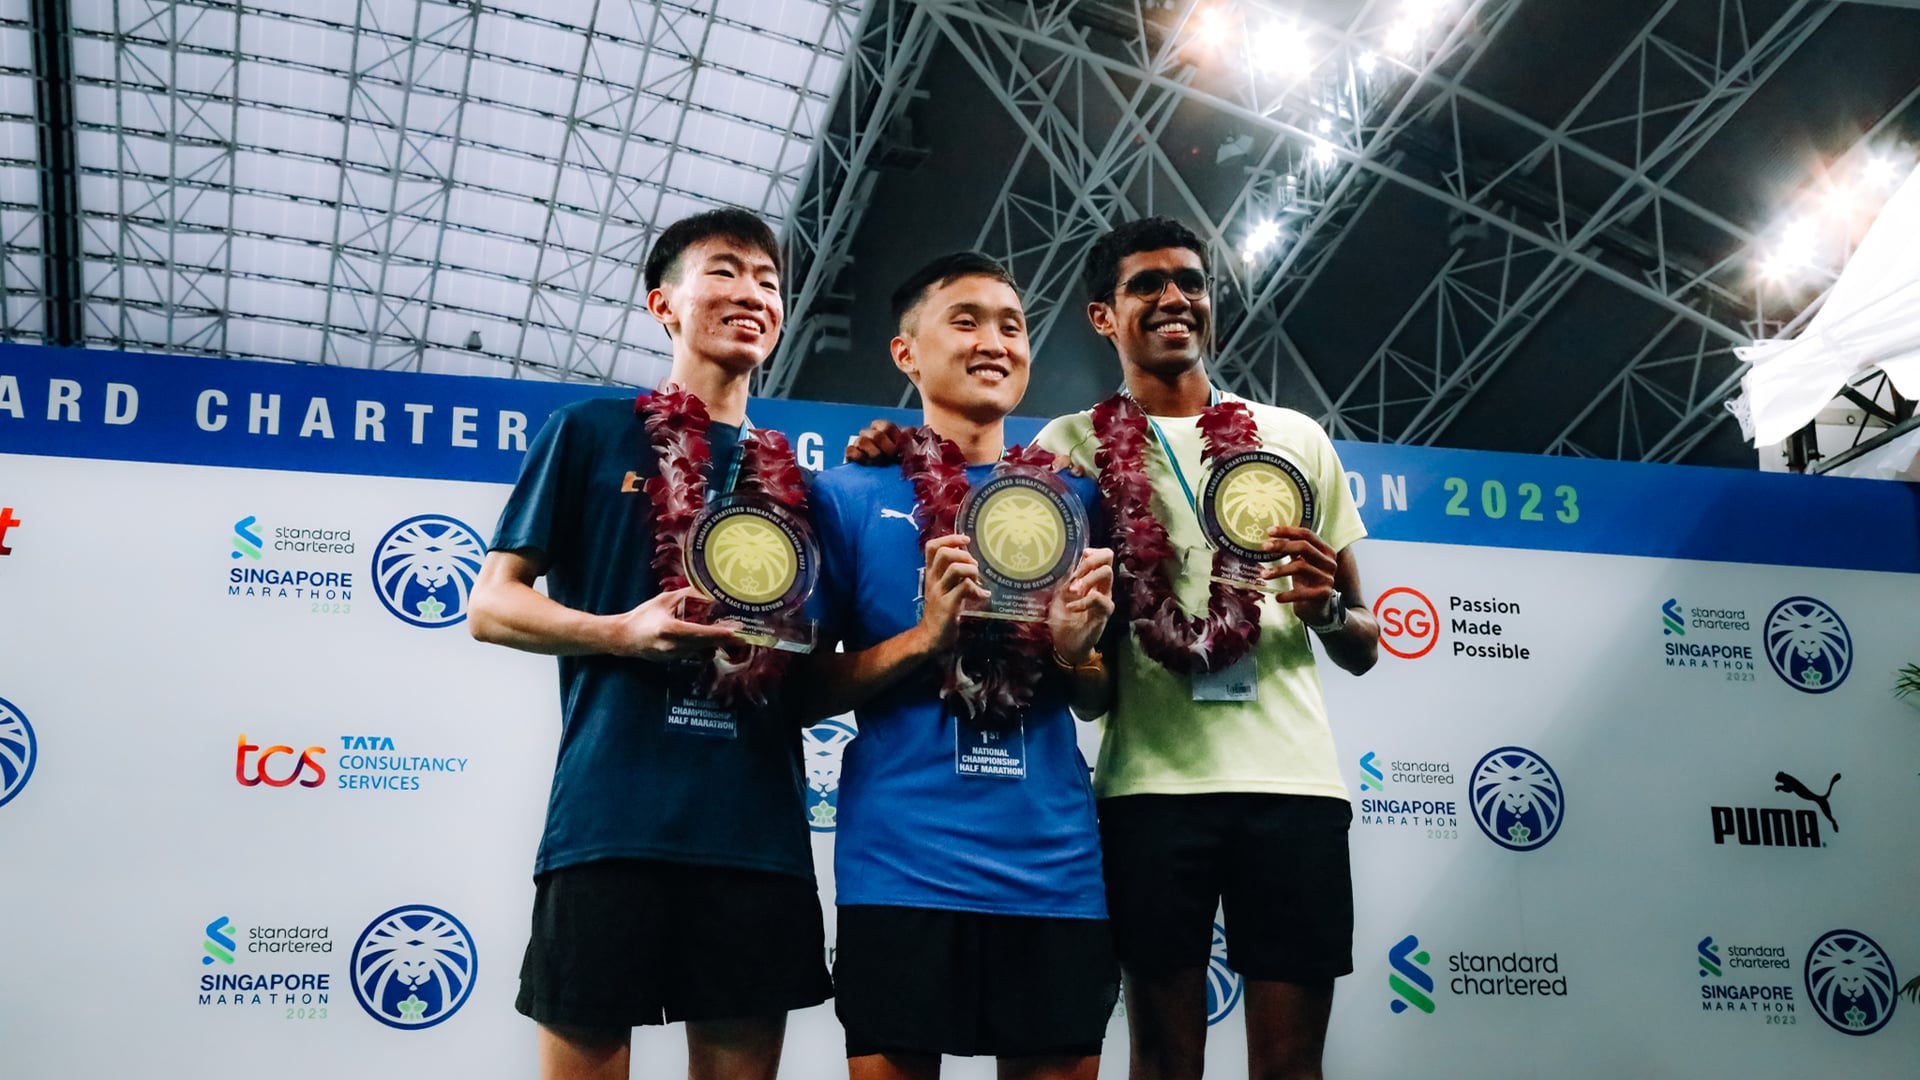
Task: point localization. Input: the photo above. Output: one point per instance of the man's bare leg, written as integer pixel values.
(743, 1049)
(1050, 1068)
(1286, 1029)
(894, 1066)
(572, 1053)
(1167, 1025)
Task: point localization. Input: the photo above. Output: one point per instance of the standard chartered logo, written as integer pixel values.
(1709, 958)
(1409, 978)
(246, 542)
(1672, 621)
(1371, 778)
(219, 943)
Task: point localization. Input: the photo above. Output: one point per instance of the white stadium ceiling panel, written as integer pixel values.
(405, 183)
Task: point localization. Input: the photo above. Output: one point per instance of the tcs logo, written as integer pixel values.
(263, 775)
(1409, 623)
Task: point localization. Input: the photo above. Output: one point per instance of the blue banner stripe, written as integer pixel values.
(304, 418)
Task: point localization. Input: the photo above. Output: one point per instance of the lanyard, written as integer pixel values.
(1213, 398)
(739, 453)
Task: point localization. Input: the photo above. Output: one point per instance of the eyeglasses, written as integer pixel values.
(1149, 284)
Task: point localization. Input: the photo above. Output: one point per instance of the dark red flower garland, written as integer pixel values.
(677, 424)
(1143, 553)
(990, 679)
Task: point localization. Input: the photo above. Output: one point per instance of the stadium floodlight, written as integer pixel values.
(1323, 152)
(1367, 63)
(1209, 26)
(1402, 38)
(1880, 172)
(1796, 245)
(1325, 126)
(1282, 49)
(1264, 236)
(1838, 202)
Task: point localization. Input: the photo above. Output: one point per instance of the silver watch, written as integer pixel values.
(1337, 622)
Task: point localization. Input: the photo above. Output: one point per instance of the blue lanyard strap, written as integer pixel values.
(1213, 398)
(739, 454)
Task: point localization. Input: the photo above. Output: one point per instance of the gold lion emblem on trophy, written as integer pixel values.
(1253, 498)
(751, 559)
(1021, 532)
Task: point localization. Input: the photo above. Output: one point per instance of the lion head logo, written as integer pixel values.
(825, 744)
(413, 967)
(424, 569)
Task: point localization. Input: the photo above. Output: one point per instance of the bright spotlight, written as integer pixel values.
(1402, 38)
(1796, 245)
(1323, 152)
(1210, 27)
(1838, 202)
(1367, 63)
(1880, 172)
(1247, 255)
(1283, 50)
(1325, 126)
(1264, 235)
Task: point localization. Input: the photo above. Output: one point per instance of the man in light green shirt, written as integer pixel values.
(1221, 787)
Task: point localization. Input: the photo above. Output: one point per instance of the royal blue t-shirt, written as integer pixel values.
(627, 783)
(928, 816)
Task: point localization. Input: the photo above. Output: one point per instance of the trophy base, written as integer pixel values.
(790, 636)
(1258, 584)
(1006, 616)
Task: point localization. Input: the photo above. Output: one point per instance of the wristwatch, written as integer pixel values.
(1337, 621)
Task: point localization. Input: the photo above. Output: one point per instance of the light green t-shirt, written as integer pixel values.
(1157, 739)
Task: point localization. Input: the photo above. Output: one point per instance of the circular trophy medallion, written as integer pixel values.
(1028, 530)
(752, 555)
(1249, 493)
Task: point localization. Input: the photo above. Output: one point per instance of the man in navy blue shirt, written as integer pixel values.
(675, 877)
(972, 915)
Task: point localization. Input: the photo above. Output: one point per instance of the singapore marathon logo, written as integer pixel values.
(413, 967)
(1224, 985)
(823, 745)
(425, 567)
(1741, 981)
(278, 967)
(1517, 799)
(1851, 983)
(1808, 645)
(260, 565)
(19, 751)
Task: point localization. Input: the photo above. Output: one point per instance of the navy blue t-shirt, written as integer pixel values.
(626, 784)
(932, 813)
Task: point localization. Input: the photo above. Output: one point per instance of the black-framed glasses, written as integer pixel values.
(1149, 284)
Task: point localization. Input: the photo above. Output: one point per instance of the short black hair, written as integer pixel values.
(946, 268)
(731, 222)
(1101, 274)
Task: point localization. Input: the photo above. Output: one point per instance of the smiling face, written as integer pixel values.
(1165, 333)
(965, 346)
(721, 304)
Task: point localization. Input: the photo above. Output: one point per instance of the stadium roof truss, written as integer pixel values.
(470, 187)
(1368, 104)
(460, 187)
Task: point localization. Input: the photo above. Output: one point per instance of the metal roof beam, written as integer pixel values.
(59, 175)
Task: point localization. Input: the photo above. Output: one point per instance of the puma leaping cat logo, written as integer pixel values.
(1784, 782)
(907, 516)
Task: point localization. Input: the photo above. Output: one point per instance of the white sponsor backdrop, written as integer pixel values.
(133, 836)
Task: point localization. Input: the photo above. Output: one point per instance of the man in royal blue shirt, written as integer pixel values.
(972, 915)
(675, 876)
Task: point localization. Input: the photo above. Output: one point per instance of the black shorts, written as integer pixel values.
(924, 981)
(1278, 863)
(624, 942)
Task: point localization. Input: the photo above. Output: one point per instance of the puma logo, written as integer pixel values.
(1784, 782)
(907, 517)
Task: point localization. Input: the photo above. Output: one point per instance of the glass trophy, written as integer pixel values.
(757, 561)
(1247, 494)
(1027, 532)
